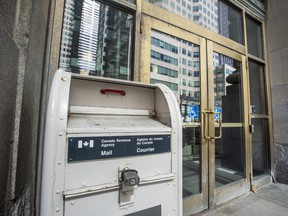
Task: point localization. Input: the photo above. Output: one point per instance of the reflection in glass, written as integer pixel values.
(175, 63)
(215, 15)
(230, 22)
(132, 1)
(257, 88)
(260, 147)
(254, 37)
(96, 40)
(230, 149)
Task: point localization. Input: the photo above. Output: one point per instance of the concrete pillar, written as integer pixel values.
(277, 38)
(23, 34)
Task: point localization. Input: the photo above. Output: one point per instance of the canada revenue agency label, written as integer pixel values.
(89, 148)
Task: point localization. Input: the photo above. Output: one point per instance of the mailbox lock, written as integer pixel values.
(130, 177)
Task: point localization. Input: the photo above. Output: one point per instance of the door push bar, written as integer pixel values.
(204, 122)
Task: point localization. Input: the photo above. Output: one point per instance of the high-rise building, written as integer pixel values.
(96, 40)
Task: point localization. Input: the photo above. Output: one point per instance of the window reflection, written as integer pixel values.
(230, 149)
(260, 143)
(96, 40)
(175, 63)
(215, 15)
(257, 88)
(254, 37)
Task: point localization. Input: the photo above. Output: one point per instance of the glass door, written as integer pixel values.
(208, 82)
(177, 59)
(226, 124)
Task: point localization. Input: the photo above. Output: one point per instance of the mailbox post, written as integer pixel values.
(111, 148)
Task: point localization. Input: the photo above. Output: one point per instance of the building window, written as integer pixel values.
(230, 22)
(257, 87)
(163, 71)
(196, 83)
(195, 8)
(254, 37)
(164, 45)
(96, 40)
(172, 4)
(183, 61)
(172, 86)
(184, 71)
(183, 3)
(184, 92)
(184, 82)
(164, 58)
(183, 51)
(196, 73)
(195, 18)
(196, 54)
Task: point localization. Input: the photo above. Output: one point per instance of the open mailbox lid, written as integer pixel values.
(98, 128)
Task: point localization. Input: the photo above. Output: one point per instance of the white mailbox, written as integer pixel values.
(111, 148)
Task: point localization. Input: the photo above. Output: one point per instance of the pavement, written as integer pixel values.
(271, 200)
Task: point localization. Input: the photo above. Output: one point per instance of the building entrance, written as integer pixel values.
(208, 81)
(210, 54)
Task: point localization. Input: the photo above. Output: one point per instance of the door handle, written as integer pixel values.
(204, 122)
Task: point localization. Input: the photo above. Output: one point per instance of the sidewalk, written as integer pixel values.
(271, 200)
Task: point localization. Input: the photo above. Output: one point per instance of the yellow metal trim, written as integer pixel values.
(56, 37)
(190, 125)
(145, 50)
(211, 128)
(137, 47)
(246, 101)
(204, 142)
(227, 52)
(174, 31)
(229, 125)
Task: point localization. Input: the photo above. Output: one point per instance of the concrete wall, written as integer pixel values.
(277, 36)
(9, 55)
(23, 30)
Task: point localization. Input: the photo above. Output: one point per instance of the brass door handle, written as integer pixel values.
(204, 121)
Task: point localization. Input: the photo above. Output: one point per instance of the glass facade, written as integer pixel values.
(215, 15)
(96, 40)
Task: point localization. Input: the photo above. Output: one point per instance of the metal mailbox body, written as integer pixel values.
(97, 129)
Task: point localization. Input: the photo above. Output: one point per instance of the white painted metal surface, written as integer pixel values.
(79, 112)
